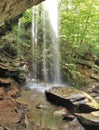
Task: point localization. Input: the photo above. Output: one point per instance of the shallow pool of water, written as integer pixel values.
(44, 118)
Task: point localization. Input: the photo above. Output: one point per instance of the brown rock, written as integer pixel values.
(72, 99)
(2, 93)
(61, 112)
(6, 81)
(13, 92)
(11, 8)
(89, 118)
(9, 116)
(82, 105)
(42, 106)
(21, 101)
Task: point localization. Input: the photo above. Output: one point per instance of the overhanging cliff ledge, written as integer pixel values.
(11, 8)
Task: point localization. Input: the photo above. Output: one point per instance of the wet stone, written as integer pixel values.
(89, 118)
(72, 99)
(61, 112)
(79, 103)
(42, 106)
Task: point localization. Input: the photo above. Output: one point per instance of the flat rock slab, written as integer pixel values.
(72, 99)
(89, 118)
(82, 105)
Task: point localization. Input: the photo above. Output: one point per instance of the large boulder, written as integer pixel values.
(79, 103)
(73, 99)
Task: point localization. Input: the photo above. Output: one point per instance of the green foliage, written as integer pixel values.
(27, 17)
(15, 29)
(72, 75)
(79, 22)
(79, 33)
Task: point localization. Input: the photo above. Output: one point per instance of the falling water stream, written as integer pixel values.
(50, 45)
(51, 66)
(34, 40)
(19, 36)
(52, 11)
(45, 70)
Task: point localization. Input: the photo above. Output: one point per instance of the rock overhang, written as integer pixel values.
(12, 8)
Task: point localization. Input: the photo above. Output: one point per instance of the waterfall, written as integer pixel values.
(34, 40)
(19, 37)
(51, 7)
(45, 70)
(45, 47)
(50, 46)
(19, 29)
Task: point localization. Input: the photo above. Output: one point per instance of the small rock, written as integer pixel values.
(21, 102)
(41, 106)
(26, 88)
(26, 122)
(95, 88)
(93, 94)
(97, 99)
(61, 112)
(69, 118)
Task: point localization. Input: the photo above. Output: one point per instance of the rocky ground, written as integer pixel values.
(79, 103)
(31, 111)
(65, 108)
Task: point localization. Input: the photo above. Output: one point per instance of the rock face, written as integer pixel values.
(12, 69)
(82, 105)
(12, 75)
(10, 66)
(11, 8)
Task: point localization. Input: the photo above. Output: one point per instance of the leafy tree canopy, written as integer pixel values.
(79, 23)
